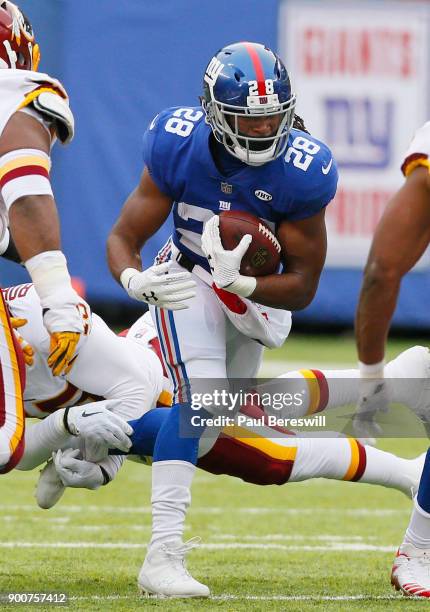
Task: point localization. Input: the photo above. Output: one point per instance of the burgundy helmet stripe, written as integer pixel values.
(258, 67)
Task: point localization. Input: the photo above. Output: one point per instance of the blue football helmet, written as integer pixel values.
(248, 79)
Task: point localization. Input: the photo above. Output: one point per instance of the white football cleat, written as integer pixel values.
(164, 574)
(49, 488)
(413, 364)
(411, 571)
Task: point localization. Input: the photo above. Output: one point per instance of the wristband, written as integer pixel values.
(126, 276)
(243, 285)
(371, 370)
(11, 252)
(66, 422)
(106, 477)
(4, 242)
(49, 273)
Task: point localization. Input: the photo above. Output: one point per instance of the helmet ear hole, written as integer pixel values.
(239, 74)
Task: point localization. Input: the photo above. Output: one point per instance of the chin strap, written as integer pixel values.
(254, 158)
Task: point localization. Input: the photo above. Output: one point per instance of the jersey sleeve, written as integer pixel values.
(418, 152)
(50, 101)
(156, 156)
(316, 186)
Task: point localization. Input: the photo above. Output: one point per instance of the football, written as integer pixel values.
(264, 252)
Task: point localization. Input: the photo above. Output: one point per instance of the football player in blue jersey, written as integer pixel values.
(245, 149)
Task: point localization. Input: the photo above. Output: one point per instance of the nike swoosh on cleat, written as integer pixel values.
(88, 414)
(326, 169)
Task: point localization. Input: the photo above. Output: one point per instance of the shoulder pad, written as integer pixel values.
(56, 109)
(418, 152)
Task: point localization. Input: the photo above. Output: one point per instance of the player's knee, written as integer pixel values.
(270, 472)
(228, 456)
(10, 459)
(378, 272)
(5, 450)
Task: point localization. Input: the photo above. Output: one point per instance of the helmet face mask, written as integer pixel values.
(249, 80)
(18, 49)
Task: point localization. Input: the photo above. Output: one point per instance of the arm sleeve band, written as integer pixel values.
(24, 172)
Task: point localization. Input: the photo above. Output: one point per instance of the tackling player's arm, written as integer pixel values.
(24, 152)
(305, 244)
(33, 219)
(401, 237)
(144, 212)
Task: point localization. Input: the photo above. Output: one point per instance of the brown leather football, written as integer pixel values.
(264, 252)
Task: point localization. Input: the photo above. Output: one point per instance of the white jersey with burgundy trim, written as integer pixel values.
(18, 88)
(107, 366)
(418, 153)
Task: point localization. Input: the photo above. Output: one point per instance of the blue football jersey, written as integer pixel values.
(176, 151)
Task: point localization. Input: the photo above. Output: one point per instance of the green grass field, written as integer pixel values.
(317, 545)
(334, 348)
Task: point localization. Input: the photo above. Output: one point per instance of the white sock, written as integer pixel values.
(343, 458)
(320, 389)
(42, 438)
(171, 496)
(418, 531)
(342, 393)
(390, 471)
(321, 458)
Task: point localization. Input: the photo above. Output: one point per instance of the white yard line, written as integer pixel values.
(329, 547)
(73, 509)
(283, 536)
(230, 597)
(306, 597)
(229, 537)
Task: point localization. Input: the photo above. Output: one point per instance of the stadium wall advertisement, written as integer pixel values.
(360, 69)
(362, 82)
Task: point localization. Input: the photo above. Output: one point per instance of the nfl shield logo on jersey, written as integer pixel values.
(226, 188)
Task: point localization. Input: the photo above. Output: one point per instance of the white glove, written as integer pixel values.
(159, 287)
(99, 427)
(224, 264)
(373, 398)
(67, 317)
(65, 310)
(75, 472)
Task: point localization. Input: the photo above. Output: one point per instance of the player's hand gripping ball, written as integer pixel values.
(264, 252)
